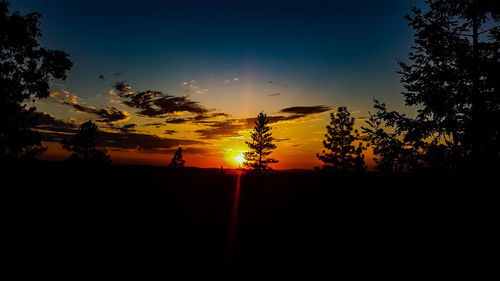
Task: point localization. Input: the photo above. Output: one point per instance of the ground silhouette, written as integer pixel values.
(126, 218)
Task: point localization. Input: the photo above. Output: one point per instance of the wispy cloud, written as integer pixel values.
(170, 132)
(110, 114)
(192, 87)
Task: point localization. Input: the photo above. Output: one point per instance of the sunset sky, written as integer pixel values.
(217, 65)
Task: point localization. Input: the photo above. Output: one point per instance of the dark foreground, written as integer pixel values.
(63, 220)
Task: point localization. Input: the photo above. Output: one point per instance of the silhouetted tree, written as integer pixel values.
(394, 154)
(452, 77)
(341, 154)
(83, 145)
(177, 161)
(261, 146)
(25, 72)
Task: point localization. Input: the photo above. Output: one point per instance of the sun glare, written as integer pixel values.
(239, 158)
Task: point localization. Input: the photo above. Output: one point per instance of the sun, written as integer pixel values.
(239, 158)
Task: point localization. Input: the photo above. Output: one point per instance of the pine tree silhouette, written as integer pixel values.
(261, 146)
(177, 161)
(341, 154)
(83, 145)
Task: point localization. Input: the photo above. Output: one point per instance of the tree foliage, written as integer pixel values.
(341, 153)
(261, 146)
(83, 145)
(452, 79)
(25, 72)
(177, 161)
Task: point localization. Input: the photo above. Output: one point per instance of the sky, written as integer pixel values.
(211, 67)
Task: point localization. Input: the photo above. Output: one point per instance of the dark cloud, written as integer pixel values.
(118, 74)
(159, 104)
(178, 120)
(141, 141)
(170, 132)
(157, 124)
(122, 88)
(127, 128)
(101, 77)
(46, 122)
(167, 104)
(110, 114)
(221, 129)
(274, 94)
(199, 119)
(208, 116)
(156, 103)
(305, 110)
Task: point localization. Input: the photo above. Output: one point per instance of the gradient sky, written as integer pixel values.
(231, 57)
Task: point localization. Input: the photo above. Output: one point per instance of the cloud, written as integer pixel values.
(178, 120)
(47, 122)
(157, 124)
(192, 87)
(127, 128)
(156, 103)
(306, 110)
(234, 79)
(221, 129)
(63, 97)
(274, 94)
(167, 104)
(122, 87)
(101, 77)
(208, 116)
(170, 132)
(141, 141)
(110, 114)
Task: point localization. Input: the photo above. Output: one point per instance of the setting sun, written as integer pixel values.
(239, 158)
